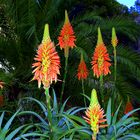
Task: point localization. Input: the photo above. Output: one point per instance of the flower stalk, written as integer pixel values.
(114, 43)
(64, 78)
(49, 112)
(102, 89)
(83, 90)
(66, 41)
(82, 74)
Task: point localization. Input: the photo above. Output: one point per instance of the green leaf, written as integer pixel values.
(7, 125)
(35, 114)
(1, 119)
(116, 114)
(108, 113)
(55, 105)
(13, 133)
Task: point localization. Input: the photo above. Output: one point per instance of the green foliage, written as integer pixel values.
(120, 128)
(26, 20)
(8, 133)
(65, 123)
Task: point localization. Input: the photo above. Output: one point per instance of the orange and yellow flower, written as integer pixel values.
(100, 60)
(47, 62)
(95, 115)
(67, 38)
(114, 40)
(82, 69)
(1, 84)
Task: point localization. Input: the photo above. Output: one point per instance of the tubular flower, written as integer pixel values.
(114, 40)
(47, 62)
(100, 60)
(67, 38)
(1, 84)
(128, 107)
(95, 115)
(82, 70)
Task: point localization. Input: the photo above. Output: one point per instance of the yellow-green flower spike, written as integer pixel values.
(46, 35)
(82, 58)
(100, 39)
(66, 17)
(94, 99)
(114, 40)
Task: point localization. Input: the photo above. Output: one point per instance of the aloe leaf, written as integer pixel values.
(77, 110)
(116, 114)
(55, 104)
(7, 125)
(13, 133)
(63, 106)
(86, 96)
(1, 119)
(35, 114)
(71, 109)
(129, 137)
(30, 135)
(38, 102)
(122, 130)
(108, 113)
(77, 119)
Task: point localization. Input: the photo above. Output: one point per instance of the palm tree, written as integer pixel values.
(27, 18)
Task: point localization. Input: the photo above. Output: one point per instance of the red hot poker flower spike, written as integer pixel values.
(95, 115)
(100, 60)
(128, 107)
(82, 69)
(67, 38)
(114, 40)
(47, 62)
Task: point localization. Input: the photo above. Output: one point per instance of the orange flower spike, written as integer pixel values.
(67, 38)
(128, 107)
(82, 69)
(95, 115)
(47, 62)
(1, 84)
(100, 60)
(114, 40)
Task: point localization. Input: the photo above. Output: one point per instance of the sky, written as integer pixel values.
(128, 3)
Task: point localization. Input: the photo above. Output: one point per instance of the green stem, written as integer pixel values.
(49, 112)
(115, 64)
(115, 76)
(101, 89)
(94, 136)
(83, 89)
(64, 78)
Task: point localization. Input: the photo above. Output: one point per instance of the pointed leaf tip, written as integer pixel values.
(46, 35)
(66, 17)
(100, 39)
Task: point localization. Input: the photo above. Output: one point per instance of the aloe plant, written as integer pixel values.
(66, 124)
(7, 132)
(121, 129)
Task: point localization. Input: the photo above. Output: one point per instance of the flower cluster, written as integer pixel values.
(100, 60)
(47, 62)
(95, 115)
(82, 69)
(66, 38)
